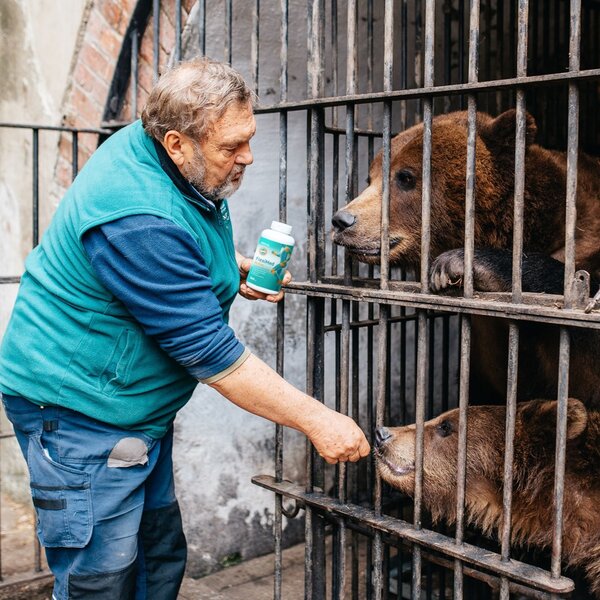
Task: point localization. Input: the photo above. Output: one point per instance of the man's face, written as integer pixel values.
(216, 167)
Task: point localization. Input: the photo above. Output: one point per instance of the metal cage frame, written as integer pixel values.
(381, 293)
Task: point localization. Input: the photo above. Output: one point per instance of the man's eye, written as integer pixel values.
(444, 429)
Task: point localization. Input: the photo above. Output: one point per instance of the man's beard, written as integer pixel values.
(195, 173)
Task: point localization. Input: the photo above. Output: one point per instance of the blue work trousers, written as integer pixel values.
(107, 513)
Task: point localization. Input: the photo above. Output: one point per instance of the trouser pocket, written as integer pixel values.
(62, 499)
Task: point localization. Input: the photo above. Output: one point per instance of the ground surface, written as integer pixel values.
(251, 580)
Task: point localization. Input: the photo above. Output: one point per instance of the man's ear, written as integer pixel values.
(175, 143)
(501, 131)
(539, 417)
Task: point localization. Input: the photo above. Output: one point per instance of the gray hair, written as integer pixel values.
(190, 97)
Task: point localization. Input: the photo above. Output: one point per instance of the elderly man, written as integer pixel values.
(122, 309)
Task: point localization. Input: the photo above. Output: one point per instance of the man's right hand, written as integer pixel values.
(337, 438)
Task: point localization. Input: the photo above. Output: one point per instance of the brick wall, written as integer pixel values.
(93, 70)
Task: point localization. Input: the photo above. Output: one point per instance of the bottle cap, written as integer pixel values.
(281, 227)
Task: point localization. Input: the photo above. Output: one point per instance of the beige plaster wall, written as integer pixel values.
(37, 42)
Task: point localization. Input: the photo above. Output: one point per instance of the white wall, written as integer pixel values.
(37, 42)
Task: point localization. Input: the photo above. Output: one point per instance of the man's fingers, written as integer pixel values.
(364, 449)
(275, 298)
(245, 264)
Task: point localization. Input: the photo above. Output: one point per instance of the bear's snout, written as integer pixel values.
(382, 435)
(342, 220)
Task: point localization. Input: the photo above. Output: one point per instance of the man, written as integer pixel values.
(122, 309)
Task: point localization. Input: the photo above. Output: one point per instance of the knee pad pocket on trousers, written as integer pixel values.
(115, 585)
(62, 499)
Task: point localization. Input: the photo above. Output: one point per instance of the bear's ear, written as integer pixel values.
(577, 418)
(539, 417)
(500, 132)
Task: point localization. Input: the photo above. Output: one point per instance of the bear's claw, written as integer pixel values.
(447, 271)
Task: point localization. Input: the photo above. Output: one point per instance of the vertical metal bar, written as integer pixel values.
(354, 475)
(202, 26)
(334, 58)
(561, 443)
(388, 70)
(520, 139)
(134, 73)
(468, 292)
(422, 358)
(499, 50)
(565, 342)
(513, 339)
(228, 30)
(156, 38)
(404, 60)
(36, 187)
(254, 47)
(418, 4)
(511, 411)
(572, 149)
(177, 31)
(74, 154)
(314, 573)
(384, 310)
(283, 138)
(339, 572)
(447, 50)
(427, 138)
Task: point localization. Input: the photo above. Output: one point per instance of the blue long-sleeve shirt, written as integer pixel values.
(157, 270)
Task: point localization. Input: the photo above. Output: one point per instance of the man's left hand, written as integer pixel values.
(244, 265)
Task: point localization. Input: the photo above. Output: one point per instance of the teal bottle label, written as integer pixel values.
(268, 266)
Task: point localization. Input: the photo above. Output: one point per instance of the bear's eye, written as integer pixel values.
(406, 180)
(444, 429)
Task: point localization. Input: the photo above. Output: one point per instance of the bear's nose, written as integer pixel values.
(342, 220)
(382, 435)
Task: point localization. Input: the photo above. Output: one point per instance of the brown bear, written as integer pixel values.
(533, 474)
(357, 228)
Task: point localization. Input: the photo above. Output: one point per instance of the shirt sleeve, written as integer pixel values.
(157, 270)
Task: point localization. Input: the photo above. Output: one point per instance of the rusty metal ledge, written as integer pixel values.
(491, 305)
(512, 569)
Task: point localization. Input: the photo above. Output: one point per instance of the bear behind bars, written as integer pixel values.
(357, 227)
(533, 474)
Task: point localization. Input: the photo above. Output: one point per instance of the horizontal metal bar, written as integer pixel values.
(55, 128)
(4, 436)
(10, 279)
(435, 91)
(483, 558)
(485, 304)
(515, 570)
(375, 322)
(356, 131)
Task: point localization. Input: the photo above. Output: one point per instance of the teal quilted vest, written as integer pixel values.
(69, 341)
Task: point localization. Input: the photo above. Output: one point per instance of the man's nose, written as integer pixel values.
(342, 220)
(245, 156)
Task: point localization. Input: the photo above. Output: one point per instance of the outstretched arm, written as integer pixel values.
(257, 388)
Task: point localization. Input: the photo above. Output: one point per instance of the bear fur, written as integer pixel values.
(533, 474)
(357, 227)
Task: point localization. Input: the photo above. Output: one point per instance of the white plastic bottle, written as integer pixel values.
(272, 254)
